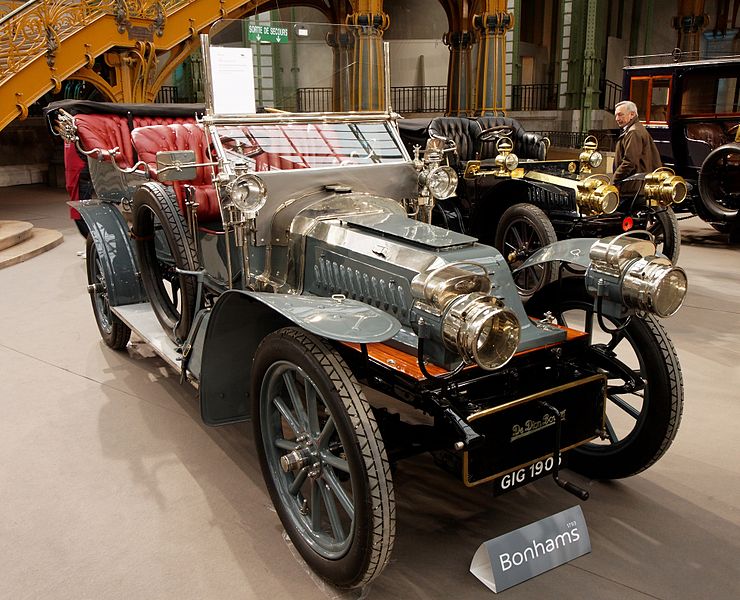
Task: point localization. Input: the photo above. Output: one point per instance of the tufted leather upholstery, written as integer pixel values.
(456, 129)
(526, 145)
(709, 133)
(464, 132)
(106, 132)
(146, 121)
(149, 140)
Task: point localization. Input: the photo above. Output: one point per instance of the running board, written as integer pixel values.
(140, 318)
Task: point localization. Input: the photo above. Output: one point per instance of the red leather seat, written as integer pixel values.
(147, 121)
(149, 140)
(105, 132)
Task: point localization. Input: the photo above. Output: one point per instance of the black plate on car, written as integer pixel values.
(521, 433)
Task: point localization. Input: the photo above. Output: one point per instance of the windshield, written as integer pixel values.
(280, 146)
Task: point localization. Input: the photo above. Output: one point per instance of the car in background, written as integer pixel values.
(509, 195)
(692, 110)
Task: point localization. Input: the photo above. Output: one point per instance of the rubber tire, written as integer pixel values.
(665, 220)
(115, 333)
(660, 414)
(370, 473)
(537, 220)
(709, 177)
(153, 199)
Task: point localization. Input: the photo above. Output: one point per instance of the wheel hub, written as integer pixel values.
(305, 455)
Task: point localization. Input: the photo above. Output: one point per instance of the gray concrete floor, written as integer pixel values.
(111, 487)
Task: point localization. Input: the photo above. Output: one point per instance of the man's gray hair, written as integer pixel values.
(628, 104)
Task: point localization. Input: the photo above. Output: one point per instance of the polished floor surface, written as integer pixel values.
(111, 487)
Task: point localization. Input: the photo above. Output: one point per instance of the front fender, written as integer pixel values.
(574, 251)
(240, 320)
(120, 268)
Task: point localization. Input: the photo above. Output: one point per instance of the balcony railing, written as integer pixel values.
(606, 138)
(404, 99)
(536, 96)
(609, 95)
(419, 98)
(167, 94)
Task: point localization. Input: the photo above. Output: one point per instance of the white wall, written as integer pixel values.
(408, 68)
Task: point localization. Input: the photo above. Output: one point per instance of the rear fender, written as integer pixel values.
(110, 235)
(240, 320)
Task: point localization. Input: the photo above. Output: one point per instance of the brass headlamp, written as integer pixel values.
(472, 323)
(596, 196)
(481, 329)
(589, 157)
(505, 160)
(663, 187)
(625, 272)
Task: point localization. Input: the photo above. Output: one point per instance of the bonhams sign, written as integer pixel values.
(522, 554)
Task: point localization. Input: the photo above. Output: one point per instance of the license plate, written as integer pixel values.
(524, 475)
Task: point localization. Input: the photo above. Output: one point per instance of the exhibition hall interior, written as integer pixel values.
(353, 299)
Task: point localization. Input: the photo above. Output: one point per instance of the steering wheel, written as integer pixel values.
(448, 144)
(493, 133)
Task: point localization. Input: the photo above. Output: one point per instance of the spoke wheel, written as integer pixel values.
(522, 229)
(115, 333)
(664, 226)
(322, 458)
(164, 245)
(644, 388)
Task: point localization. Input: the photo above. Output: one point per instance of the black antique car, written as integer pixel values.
(692, 110)
(510, 196)
(282, 263)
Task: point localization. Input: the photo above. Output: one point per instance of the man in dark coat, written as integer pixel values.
(635, 151)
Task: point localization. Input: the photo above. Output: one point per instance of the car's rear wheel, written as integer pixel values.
(719, 184)
(115, 333)
(322, 458)
(523, 229)
(165, 247)
(644, 388)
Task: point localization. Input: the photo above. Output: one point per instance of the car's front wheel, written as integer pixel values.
(522, 229)
(644, 389)
(664, 226)
(322, 458)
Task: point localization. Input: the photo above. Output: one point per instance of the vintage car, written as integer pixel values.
(511, 197)
(282, 263)
(692, 110)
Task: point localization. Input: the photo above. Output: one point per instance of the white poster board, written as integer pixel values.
(233, 80)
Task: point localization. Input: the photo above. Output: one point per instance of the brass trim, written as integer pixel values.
(560, 388)
(554, 179)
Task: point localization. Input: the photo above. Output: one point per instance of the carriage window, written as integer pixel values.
(708, 94)
(639, 92)
(652, 96)
(659, 97)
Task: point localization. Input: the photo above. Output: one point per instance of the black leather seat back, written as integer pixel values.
(526, 145)
(456, 129)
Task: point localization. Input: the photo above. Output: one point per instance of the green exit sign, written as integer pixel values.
(268, 33)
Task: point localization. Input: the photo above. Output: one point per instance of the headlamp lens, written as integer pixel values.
(442, 182)
(247, 193)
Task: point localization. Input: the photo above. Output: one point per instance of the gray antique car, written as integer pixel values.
(283, 264)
